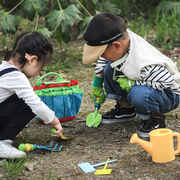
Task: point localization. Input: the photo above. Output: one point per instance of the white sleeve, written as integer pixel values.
(19, 83)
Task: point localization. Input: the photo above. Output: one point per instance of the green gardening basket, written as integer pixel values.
(63, 97)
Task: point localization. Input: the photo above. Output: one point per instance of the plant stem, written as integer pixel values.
(15, 7)
(59, 5)
(84, 8)
(37, 19)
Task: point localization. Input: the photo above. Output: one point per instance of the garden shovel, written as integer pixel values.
(104, 170)
(88, 168)
(94, 119)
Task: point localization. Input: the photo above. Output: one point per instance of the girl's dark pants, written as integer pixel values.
(15, 114)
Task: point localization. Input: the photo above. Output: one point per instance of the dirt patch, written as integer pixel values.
(94, 145)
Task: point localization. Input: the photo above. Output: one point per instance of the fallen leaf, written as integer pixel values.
(42, 152)
(176, 50)
(29, 166)
(124, 130)
(47, 140)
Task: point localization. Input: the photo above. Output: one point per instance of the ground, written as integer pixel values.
(93, 145)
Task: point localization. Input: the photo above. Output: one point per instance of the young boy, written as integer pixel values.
(135, 74)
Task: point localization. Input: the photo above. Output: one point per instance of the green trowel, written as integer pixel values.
(94, 119)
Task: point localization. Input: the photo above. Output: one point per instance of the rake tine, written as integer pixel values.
(53, 149)
(57, 149)
(51, 145)
(47, 147)
(55, 146)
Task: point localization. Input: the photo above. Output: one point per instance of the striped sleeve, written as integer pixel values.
(101, 65)
(157, 77)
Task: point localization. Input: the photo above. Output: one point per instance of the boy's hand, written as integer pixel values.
(125, 83)
(98, 92)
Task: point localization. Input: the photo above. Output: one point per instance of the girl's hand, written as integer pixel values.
(56, 124)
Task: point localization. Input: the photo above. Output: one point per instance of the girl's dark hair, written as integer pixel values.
(31, 43)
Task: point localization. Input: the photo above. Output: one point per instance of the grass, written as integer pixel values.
(14, 167)
(166, 27)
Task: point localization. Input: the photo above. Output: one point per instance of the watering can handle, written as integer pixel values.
(178, 138)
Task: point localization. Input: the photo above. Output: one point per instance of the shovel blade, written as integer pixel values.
(65, 138)
(93, 119)
(103, 171)
(86, 167)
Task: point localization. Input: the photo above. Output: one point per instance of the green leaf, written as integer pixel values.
(166, 5)
(95, 1)
(73, 11)
(45, 32)
(31, 7)
(63, 36)
(53, 20)
(65, 17)
(59, 36)
(177, 8)
(66, 35)
(8, 23)
(61, 21)
(87, 20)
(169, 6)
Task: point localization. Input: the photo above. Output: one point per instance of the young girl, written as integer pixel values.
(18, 102)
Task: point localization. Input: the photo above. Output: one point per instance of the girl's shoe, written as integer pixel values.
(8, 151)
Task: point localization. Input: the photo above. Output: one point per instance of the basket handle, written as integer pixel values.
(58, 80)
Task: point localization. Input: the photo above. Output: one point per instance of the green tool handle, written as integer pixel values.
(59, 80)
(97, 103)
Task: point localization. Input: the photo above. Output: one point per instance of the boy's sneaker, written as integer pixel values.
(156, 121)
(8, 151)
(118, 115)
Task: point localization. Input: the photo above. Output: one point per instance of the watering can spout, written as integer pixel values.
(144, 144)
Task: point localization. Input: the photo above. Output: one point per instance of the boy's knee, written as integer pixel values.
(136, 95)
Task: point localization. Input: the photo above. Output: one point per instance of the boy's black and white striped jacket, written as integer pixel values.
(155, 76)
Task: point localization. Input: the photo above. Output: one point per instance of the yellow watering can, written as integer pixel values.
(161, 145)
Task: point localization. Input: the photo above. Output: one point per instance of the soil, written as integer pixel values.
(93, 145)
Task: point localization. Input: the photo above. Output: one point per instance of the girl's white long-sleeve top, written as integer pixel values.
(17, 83)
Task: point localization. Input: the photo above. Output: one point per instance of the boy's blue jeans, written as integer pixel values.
(143, 98)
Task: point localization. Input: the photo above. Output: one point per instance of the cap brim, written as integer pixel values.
(92, 53)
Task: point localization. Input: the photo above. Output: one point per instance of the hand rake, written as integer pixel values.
(33, 147)
(88, 168)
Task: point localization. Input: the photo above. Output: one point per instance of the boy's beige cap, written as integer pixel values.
(100, 32)
(92, 53)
